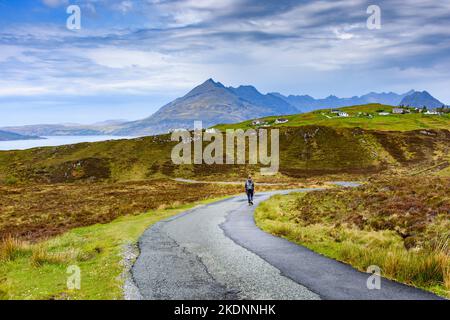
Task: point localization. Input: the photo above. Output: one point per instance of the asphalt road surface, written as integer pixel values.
(217, 252)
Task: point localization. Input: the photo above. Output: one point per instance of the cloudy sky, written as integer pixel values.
(132, 56)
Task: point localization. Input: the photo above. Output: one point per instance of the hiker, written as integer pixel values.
(249, 189)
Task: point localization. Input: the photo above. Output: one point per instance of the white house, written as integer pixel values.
(398, 111)
(281, 120)
(177, 130)
(343, 114)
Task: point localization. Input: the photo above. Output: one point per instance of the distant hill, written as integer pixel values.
(420, 99)
(8, 136)
(108, 123)
(53, 130)
(69, 129)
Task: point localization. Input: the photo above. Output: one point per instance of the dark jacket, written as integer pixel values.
(249, 185)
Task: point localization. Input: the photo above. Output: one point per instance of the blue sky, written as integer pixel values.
(131, 57)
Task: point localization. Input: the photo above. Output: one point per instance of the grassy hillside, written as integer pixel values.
(304, 152)
(365, 117)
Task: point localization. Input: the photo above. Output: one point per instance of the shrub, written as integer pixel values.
(11, 248)
(41, 255)
(10, 181)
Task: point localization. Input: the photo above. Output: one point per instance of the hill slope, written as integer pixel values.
(304, 152)
(365, 116)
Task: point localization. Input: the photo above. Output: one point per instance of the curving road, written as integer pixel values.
(217, 252)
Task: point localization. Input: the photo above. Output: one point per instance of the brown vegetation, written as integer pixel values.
(39, 211)
(410, 206)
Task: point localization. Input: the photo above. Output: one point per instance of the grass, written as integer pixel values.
(39, 270)
(401, 226)
(358, 117)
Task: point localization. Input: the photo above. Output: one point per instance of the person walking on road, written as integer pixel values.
(250, 189)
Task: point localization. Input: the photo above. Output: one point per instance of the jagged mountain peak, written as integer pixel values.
(247, 87)
(206, 86)
(421, 98)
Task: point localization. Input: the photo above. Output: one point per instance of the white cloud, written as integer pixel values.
(343, 35)
(125, 6)
(188, 12)
(113, 57)
(55, 3)
(7, 52)
(6, 89)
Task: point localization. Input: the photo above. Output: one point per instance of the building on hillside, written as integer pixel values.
(177, 130)
(398, 111)
(335, 111)
(343, 114)
(432, 112)
(259, 122)
(281, 120)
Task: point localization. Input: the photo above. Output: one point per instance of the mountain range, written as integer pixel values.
(214, 103)
(307, 103)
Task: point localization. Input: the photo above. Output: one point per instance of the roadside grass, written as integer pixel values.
(424, 262)
(39, 270)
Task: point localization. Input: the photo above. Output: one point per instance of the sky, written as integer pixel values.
(131, 57)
